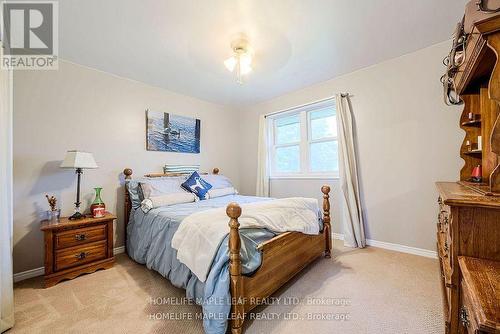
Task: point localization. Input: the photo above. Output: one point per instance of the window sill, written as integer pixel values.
(305, 177)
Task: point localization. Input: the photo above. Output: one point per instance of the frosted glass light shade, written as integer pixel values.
(245, 61)
(79, 159)
(230, 63)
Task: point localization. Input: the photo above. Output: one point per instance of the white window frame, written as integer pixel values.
(304, 143)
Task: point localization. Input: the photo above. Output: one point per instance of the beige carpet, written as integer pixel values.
(359, 291)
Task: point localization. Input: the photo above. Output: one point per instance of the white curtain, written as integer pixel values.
(354, 232)
(262, 188)
(6, 284)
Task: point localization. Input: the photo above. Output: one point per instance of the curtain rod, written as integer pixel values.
(305, 105)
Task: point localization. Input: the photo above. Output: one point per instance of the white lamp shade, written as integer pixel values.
(78, 159)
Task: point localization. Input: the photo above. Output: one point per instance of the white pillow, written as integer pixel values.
(217, 181)
(165, 200)
(160, 186)
(213, 193)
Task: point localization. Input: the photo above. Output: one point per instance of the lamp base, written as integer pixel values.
(76, 216)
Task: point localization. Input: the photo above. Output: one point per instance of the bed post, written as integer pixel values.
(128, 206)
(233, 210)
(215, 171)
(327, 227)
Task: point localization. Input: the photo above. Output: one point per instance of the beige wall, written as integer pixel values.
(408, 139)
(79, 108)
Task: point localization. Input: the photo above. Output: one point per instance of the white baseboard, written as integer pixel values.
(29, 274)
(40, 271)
(119, 250)
(395, 247)
(338, 236)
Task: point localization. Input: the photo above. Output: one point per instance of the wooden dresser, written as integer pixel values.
(469, 212)
(75, 247)
(468, 225)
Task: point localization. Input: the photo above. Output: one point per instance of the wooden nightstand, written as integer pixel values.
(75, 247)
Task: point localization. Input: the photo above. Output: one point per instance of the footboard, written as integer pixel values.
(283, 257)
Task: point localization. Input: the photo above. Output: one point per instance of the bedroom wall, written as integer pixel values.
(408, 139)
(80, 108)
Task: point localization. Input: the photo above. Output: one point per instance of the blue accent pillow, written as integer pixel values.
(135, 193)
(197, 186)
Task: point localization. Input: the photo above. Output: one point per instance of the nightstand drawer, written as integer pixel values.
(79, 236)
(76, 256)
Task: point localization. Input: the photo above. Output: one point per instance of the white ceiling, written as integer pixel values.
(181, 45)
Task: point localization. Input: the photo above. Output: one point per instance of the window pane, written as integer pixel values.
(323, 123)
(287, 129)
(287, 159)
(324, 156)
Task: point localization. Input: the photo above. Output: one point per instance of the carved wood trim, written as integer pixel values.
(494, 93)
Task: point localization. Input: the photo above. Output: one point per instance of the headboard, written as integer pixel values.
(128, 204)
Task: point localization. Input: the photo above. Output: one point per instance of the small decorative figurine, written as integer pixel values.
(54, 213)
(468, 145)
(52, 202)
(477, 174)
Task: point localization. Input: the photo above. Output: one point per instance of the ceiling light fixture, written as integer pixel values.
(241, 61)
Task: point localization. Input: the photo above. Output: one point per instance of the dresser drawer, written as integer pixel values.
(468, 323)
(79, 236)
(479, 296)
(78, 255)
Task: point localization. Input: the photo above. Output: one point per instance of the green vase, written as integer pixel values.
(98, 208)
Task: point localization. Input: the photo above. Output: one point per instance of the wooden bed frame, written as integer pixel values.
(283, 257)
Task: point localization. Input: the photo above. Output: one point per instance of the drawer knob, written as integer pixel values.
(81, 256)
(464, 317)
(80, 237)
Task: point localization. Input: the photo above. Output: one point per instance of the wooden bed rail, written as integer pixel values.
(234, 212)
(327, 227)
(127, 205)
(282, 257)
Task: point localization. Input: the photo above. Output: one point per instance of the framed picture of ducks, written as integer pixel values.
(172, 133)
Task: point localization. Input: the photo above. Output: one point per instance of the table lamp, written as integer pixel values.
(79, 161)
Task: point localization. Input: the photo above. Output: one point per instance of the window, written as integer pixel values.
(303, 142)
